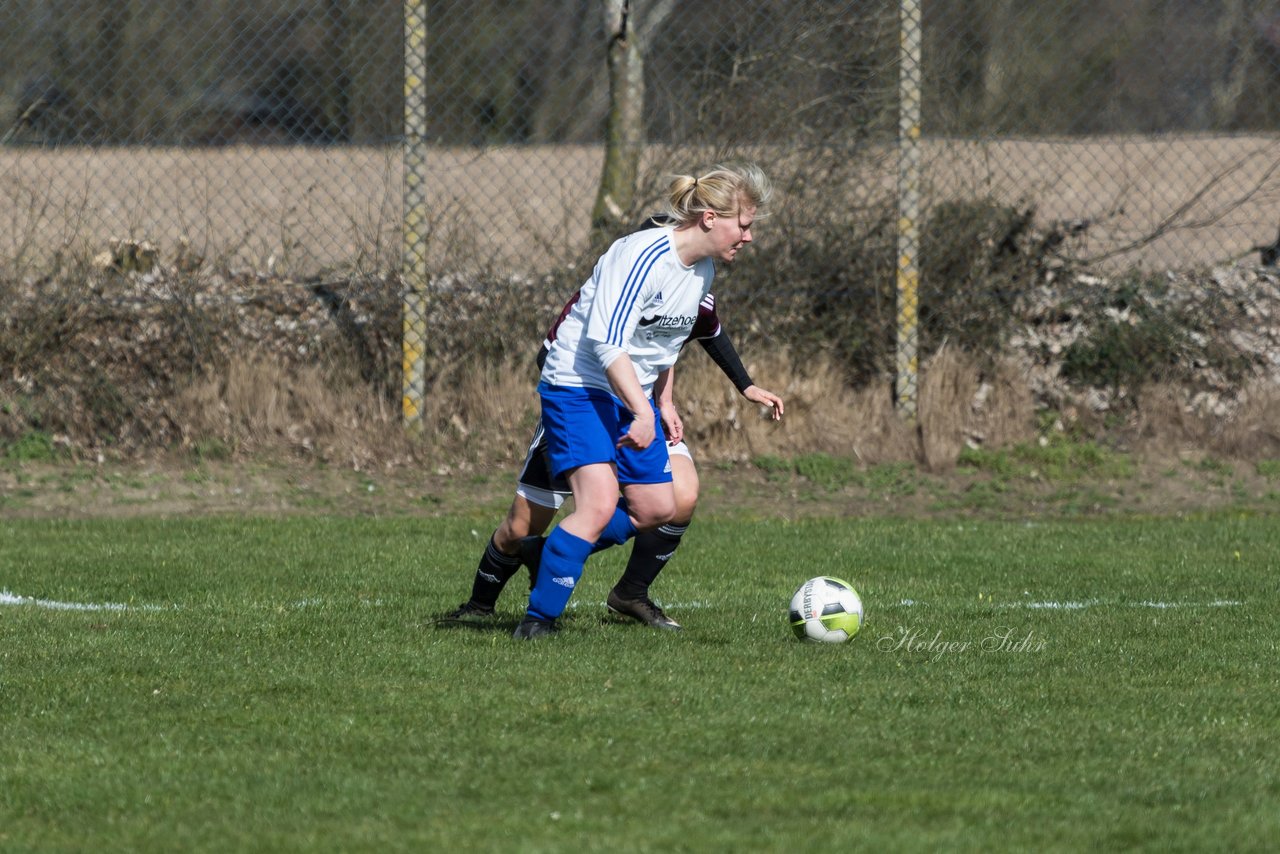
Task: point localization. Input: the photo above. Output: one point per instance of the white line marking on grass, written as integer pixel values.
(1216, 603)
(1147, 603)
(7, 598)
(698, 605)
(1053, 605)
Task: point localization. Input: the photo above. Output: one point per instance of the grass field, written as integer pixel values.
(227, 683)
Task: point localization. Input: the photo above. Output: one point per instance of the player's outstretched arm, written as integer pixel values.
(725, 355)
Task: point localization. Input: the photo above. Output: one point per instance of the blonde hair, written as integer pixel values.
(724, 190)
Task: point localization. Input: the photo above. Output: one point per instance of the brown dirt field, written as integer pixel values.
(304, 209)
(1129, 187)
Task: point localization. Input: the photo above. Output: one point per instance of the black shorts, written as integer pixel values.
(535, 482)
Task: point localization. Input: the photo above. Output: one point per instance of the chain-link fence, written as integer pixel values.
(259, 145)
(259, 133)
(273, 128)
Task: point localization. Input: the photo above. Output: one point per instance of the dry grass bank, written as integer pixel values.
(483, 413)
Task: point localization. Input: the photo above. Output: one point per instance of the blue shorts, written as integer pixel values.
(584, 425)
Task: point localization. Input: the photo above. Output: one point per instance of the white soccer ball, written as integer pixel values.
(826, 609)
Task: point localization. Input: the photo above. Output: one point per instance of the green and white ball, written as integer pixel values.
(826, 609)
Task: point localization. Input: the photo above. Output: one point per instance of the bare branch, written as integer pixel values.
(1176, 220)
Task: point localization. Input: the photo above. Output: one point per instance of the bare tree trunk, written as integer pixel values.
(624, 126)
(628, 34)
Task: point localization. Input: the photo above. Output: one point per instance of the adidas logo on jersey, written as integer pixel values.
(657, 298)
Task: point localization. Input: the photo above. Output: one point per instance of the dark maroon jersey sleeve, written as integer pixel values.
(708, 323)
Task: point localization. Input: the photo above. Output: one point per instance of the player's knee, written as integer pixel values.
(654, 514)
(507, 538)
(685, 484)
(524, 519)
(595, 519)
(513, 529)
(686, 503)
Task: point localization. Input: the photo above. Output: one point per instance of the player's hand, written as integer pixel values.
(672, 424)
(755, 394)
(641, 433)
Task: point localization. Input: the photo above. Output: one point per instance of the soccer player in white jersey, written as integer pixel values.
(539, 496)
(615, 346)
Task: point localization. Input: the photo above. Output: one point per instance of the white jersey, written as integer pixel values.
(640, 298)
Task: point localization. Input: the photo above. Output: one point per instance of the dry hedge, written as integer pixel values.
(138, 353)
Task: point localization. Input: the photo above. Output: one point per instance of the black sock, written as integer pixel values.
(492, 575)
(649, 555)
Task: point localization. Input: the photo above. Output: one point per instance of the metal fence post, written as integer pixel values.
(908, 269)
(414, 203)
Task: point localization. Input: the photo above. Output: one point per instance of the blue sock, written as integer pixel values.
(618, 531)
(561, 567)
